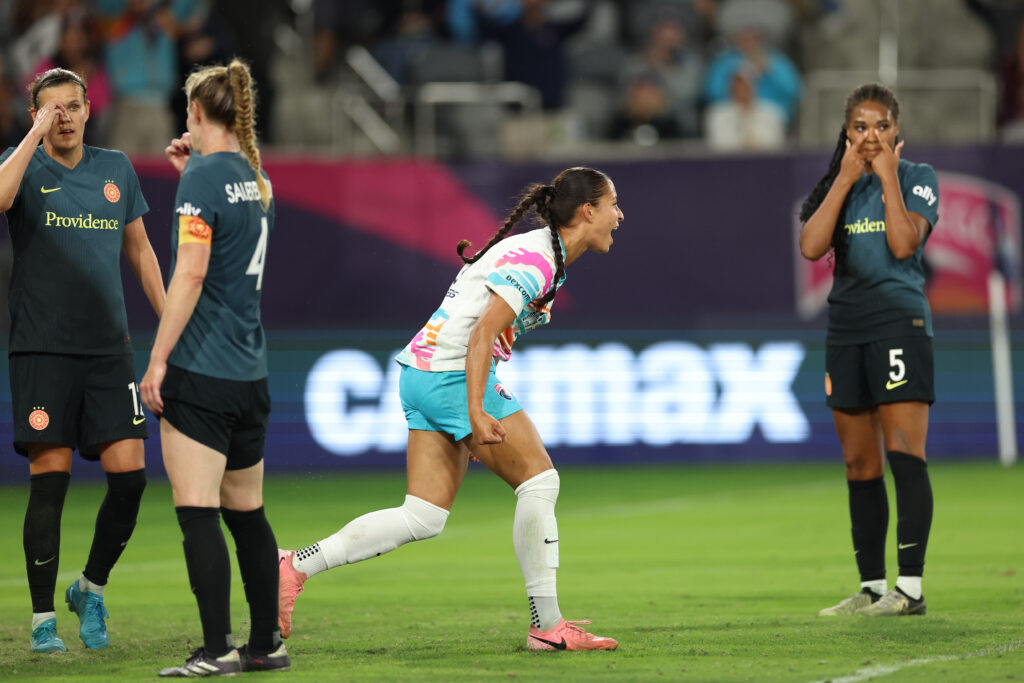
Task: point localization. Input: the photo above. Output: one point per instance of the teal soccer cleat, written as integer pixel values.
(91, 612)
(44, 638)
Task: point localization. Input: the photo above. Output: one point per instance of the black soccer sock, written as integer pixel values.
(256, 549)
(209, 573)
(42, 535)
(869, 517)
(114, 523)
(913, 509)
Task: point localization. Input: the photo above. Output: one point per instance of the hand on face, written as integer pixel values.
(179, 151)
(887, 161)
(853, 164)
(48, 116)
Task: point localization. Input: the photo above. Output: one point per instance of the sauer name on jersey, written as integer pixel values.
(247, 191)
(82, 222)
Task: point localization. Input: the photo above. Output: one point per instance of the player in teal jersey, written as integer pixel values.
(207, 375)
(875, 211)
(71, 210)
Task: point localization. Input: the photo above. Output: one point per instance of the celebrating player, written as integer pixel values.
(457, 409)
(207, 375)
(875, 211)
(71, 209)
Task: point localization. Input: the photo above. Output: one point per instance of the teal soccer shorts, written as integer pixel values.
(436, 401)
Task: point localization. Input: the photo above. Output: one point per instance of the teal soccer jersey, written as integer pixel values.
(874, 295)
(67, 229)
(218, 204)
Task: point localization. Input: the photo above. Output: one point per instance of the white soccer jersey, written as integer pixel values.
(519, 269)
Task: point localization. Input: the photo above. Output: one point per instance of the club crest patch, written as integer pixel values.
(38, 419)
(111, 192)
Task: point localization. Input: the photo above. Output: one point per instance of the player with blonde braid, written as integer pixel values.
(207, 376)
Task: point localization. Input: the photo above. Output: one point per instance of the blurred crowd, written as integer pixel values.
(134, 55)
(728, 72)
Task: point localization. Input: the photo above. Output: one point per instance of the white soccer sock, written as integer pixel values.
(910, 585)
(878, 586)
(373, 534)
(85, 584)
(535, 538)
(40, 617)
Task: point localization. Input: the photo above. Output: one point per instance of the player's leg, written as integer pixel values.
(50, 472)
(906, 428)
(195, 471)
(860, 437)
(111, 430)
(124, 464)
(46, 391)
(436, 465)
(241, 499)
(524, 464)
(256, 548)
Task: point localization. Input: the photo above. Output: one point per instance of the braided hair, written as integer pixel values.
(870, 92)
(556, 205)
(228, 97)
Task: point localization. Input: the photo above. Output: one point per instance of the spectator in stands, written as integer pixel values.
(744, 122)
(202, 39)
(408, 32)
(142, 62)
(78, 51)
(33, 34)
(645, 117)
(777, 79)
(534, 48)
(461, 16)
(669, 56)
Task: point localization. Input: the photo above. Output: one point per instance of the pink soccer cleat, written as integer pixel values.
(289, 585)
(567, 635)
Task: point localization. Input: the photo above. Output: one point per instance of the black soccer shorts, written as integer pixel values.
(75, 401)
(895, 370)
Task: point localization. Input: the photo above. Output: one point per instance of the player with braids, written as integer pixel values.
(207, 375)
(875, 212)
(458, 410)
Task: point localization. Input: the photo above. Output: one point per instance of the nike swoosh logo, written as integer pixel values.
(138, 420)
(554, 541)
(904, 546)
(47, 190)
(40, 564)
(890, 385)
(557, 646)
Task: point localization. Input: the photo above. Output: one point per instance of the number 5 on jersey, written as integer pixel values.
(898, 374)
(259, 257)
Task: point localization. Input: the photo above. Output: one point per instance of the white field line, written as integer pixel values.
(880, 670)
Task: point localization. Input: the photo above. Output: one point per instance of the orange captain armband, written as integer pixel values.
(193, 229)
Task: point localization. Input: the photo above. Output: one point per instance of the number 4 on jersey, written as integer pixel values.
(259, 257)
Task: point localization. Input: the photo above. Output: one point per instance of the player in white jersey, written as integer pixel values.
(457, 409)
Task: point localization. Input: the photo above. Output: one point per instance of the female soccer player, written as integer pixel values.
(875, 211)
(207, 375)
(72, 209)
(457, 409)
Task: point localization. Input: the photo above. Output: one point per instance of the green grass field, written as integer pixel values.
(702, 573)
